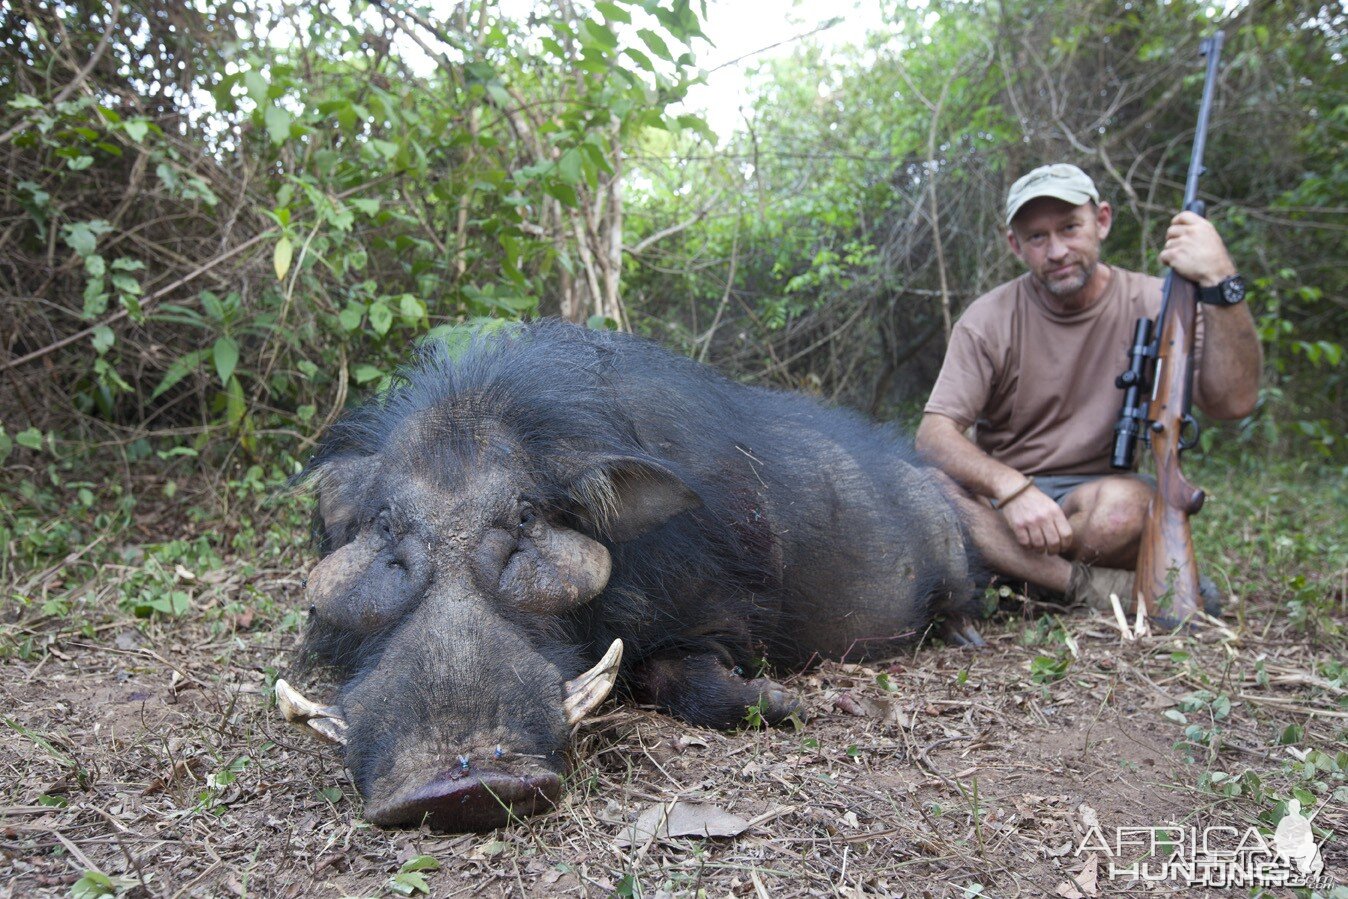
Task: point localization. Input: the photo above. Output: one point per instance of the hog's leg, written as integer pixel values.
(701, 690)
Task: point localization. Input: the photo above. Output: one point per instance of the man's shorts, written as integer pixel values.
(1060, 486)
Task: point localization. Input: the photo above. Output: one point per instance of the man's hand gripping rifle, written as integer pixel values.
(1160, 366)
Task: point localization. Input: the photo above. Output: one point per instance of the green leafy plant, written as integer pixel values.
(93, 884)
(1047, 669)
(409, 878)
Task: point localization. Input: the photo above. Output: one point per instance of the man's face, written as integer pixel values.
(1060, 244)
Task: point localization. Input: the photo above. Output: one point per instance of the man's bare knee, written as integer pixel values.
(1123, 502)
(1109, 494)
(1109, 517)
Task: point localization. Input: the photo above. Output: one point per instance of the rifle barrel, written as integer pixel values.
(1212, 49)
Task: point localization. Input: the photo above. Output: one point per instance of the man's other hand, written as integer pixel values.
(1195, 250)
(1038, 522)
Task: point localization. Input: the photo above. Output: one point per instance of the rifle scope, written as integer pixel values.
(1135, 384)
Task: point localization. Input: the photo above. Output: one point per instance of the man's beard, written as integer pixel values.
(1068, 287)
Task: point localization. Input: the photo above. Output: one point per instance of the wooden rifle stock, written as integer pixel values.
(1167, 571)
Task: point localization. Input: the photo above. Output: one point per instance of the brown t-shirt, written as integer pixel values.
(1037, 384)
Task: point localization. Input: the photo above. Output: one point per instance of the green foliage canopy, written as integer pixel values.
(222, 218)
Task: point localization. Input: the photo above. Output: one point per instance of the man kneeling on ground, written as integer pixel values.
(1031, 367)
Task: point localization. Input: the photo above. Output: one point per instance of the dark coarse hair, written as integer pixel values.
(709, 581)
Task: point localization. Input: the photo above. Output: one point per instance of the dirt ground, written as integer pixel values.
(154, 756)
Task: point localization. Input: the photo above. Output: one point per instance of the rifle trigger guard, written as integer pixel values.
(1189, 424)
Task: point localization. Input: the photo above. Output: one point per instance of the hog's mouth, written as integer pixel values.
(460, 794)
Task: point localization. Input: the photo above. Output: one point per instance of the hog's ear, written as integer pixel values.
(625, 496)
(340, 485)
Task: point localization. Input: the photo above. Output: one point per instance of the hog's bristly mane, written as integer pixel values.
(549, 393)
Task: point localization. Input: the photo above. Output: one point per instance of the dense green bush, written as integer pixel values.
(221, 222)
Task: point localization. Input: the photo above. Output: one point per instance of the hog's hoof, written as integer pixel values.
(775, 702)
(960, 631)
(478, 801)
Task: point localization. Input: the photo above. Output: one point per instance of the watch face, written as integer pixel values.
(1233, 290)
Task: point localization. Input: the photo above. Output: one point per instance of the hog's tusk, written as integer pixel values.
(296, 707)
(586, 691)
(324, 720)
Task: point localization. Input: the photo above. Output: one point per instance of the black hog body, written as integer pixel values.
(491, 524)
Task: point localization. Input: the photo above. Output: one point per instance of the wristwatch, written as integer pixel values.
(1227, 293)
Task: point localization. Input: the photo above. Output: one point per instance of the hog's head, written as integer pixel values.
(444, 601)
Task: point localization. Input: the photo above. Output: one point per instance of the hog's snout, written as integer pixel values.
(459, 801)
(464, 755)
(462, 722)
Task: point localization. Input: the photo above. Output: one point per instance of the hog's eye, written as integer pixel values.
(527, 515)
(384, 527)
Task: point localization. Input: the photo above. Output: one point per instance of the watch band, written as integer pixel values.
(1227, 292)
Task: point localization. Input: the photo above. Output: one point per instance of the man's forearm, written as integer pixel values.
(1228, 380)
(1034, 521)
(943, 443)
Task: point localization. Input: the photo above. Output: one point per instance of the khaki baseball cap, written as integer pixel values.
(1060, 180)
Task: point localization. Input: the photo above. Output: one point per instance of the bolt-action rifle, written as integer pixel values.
(1158, 391)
